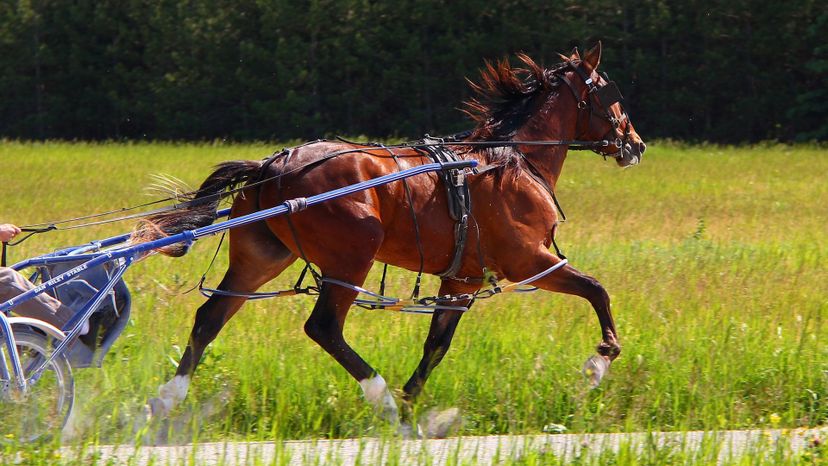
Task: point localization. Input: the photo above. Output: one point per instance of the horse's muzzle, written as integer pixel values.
(630, 154)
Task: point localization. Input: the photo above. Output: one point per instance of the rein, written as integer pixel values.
(574, 144)
(31, 231)
(606, 96)
(44, 227)
(452, 140)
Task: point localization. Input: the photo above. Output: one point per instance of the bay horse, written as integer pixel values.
(512, 224)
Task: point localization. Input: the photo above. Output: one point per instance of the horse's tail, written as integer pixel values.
(200, 208)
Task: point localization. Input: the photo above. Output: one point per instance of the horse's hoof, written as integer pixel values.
(441, 424)
(595, 368)
(157, 408)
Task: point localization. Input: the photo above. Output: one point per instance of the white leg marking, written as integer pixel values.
(377, 393)
(174, 391)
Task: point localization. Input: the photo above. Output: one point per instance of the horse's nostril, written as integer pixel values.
(641, 148)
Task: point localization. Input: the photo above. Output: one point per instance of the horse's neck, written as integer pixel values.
(548, 163)
(549, 160)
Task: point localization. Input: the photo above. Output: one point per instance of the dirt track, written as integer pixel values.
(473, 450)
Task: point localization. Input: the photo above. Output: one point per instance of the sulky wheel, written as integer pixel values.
(44, 408)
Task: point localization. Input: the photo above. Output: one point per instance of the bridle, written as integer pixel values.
(597, 102)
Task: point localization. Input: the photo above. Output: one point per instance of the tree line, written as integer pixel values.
(724, 71)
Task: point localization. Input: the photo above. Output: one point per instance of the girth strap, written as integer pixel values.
(459, 199)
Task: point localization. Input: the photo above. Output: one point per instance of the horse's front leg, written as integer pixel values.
(325, 326)
(570, 281)
(440, 334)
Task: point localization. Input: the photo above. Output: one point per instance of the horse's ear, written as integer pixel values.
(563, 57)
(574, 55)
(593, 57)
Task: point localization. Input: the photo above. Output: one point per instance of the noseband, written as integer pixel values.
(604, 96)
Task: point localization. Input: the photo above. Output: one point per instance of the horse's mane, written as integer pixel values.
(505, 100)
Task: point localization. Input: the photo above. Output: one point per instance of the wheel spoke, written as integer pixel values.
(43, 408)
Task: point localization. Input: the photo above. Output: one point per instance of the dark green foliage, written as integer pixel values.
(726, 71)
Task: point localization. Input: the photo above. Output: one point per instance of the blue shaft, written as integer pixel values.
(191, 235)
(372, 183)
(128, 254)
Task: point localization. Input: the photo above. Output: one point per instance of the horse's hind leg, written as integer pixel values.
(325, 326)
(256, 257)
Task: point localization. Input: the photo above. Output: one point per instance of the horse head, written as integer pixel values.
(600, 111)
(570, 101)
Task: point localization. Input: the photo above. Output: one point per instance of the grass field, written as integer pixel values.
(715, 259)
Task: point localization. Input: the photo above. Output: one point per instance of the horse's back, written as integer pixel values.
(384, 222)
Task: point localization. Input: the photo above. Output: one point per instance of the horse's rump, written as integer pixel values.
(395, 221)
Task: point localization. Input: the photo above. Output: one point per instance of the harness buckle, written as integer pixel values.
(458, 178)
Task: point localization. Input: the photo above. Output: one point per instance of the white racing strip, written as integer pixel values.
(479, 450)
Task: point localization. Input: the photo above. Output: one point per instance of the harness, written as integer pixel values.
(458, 195)
(459, 203)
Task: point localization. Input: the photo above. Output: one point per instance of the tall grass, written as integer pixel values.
(714, 258)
